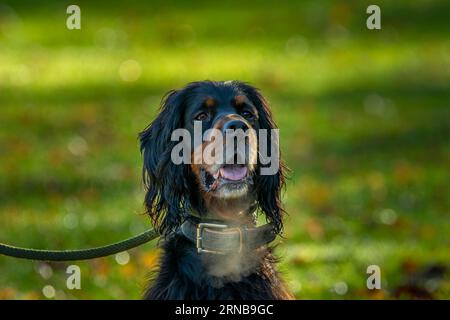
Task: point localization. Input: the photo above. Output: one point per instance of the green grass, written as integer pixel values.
(364, 118)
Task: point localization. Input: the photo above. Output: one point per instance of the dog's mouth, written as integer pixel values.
(229, 175)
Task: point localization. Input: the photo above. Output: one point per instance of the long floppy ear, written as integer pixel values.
(164, 181)
(269, 187)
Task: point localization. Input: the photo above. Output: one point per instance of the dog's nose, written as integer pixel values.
(235, 125)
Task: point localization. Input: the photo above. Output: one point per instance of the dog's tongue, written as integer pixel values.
(233, 172)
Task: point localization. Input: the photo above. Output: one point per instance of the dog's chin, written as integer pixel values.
(227, 181)
(232, 190)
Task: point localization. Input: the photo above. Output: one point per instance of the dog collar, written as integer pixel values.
(221, 238)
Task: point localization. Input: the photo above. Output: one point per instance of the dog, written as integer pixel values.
(206, 212)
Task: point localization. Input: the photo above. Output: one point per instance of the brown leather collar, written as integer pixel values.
(219, 238)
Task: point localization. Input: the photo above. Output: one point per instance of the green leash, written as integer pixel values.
(82, 254)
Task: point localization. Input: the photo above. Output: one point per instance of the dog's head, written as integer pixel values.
(223, 178)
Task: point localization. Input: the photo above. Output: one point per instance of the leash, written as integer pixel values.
(208, 237)
(82, 254)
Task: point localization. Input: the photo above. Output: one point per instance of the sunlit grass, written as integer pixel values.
(315, 71)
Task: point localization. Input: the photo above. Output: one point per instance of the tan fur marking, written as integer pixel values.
(210, 102)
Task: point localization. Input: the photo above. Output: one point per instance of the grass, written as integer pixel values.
(364, 128)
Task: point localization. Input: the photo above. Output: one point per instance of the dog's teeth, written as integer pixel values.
(216, 175)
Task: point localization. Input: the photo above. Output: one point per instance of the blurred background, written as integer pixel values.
(363, 116)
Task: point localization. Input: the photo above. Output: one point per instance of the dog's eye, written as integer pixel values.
(247, 114)
(201, 116)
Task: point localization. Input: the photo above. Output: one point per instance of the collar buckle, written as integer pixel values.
(199, 243)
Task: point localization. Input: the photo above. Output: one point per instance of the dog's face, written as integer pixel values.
(223, 177)
(228, 120)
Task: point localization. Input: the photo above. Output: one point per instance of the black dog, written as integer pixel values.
(206, 214)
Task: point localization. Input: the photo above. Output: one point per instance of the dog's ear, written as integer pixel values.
(269, 187)
(164, 181)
